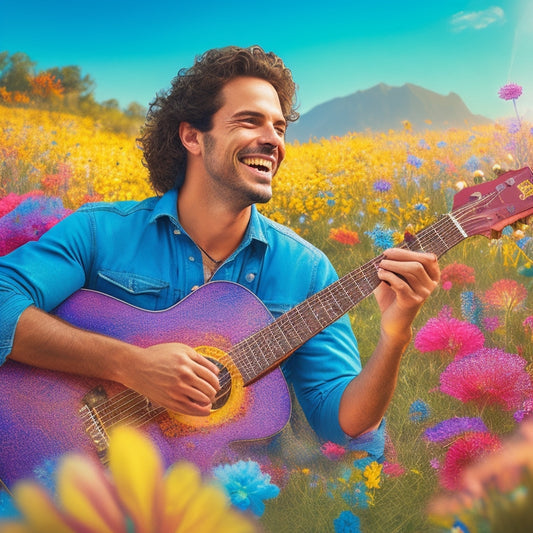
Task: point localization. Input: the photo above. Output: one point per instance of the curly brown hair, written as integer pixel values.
(194, 97)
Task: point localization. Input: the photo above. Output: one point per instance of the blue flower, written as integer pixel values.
(472, 164)
(442, 144)
(418, 411)
(382, 237)
(420, 207)
(415, 161)
(246, 485)
(356, 496)
(471, 307)
(459, 527)
(514, 127)
(347, 522)
(382, 186)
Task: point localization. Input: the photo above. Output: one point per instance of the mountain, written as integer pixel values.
(383, 108)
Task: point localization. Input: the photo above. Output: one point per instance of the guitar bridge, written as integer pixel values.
(94, 426)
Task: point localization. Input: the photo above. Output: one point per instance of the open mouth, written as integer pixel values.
(263, 165)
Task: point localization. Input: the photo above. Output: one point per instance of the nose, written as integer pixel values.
(273, 137)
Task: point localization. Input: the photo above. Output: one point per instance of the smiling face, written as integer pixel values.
(243, 150)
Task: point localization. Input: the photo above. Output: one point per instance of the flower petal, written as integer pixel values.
(86, 495)
(38, 508)
(138, 475)
(210, 512)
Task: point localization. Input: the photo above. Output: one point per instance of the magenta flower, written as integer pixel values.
(463, 452)
(489, 376)
(449, 335)
(510, 91)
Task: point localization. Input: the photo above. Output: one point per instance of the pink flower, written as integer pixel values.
(463, 452)
(393, 469)
(449, 335)
(332, 451)
(510, 91)
(488, 376)
(506, 294)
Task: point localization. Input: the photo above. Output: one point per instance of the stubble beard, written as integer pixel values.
(235, 188)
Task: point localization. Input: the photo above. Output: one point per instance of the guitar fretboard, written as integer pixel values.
(270, 346)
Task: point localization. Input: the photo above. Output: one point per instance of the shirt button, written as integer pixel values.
(250, 277)
(191, 258)
(177, 232)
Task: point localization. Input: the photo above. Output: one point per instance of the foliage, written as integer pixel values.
(61, 89)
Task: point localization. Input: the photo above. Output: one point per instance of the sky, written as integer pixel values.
(133, 49)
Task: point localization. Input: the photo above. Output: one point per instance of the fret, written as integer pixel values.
(307, 316)
(294, 335)
(280, 337)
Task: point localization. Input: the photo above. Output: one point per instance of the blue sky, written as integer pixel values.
(133, 49)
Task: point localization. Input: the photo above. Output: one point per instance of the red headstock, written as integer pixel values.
(489, 207)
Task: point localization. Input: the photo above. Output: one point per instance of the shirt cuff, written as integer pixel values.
(12, 307)
(372, 442)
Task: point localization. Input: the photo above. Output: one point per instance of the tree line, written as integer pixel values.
(61, 89)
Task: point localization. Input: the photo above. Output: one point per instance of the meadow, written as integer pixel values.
(466, 378)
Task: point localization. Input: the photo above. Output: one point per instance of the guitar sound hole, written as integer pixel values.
(224, 378)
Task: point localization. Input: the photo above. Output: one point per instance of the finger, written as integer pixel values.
(203, 361)
(429, 261)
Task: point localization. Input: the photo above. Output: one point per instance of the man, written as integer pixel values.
(212, 145)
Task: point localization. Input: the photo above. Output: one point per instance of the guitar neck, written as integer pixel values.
(269, 347)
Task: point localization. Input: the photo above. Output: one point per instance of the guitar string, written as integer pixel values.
(141, 404)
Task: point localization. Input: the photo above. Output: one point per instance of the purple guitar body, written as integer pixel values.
(40, 416)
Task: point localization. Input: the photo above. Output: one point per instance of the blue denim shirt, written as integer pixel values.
(138, 252)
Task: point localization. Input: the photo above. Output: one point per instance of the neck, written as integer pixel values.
(216, 229)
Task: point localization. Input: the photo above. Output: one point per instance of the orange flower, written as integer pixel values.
(506, 294)
(344, 236)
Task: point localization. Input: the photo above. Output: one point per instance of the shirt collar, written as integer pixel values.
(167, 206)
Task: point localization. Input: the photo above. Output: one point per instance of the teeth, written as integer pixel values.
(257, 162)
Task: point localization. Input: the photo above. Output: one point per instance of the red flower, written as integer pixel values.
(458, 274)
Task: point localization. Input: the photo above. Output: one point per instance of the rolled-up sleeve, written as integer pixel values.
(43, 273)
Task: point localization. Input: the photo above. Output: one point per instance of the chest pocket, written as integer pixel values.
(142, 291)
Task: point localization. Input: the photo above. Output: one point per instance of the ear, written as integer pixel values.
(189, 137)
